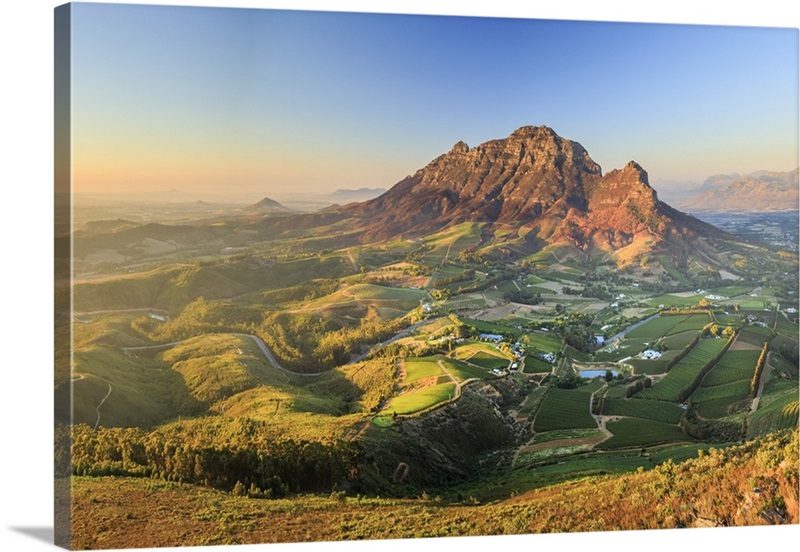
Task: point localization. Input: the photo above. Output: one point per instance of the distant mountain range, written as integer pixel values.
(755, 192)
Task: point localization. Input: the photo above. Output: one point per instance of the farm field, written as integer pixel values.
(727, 384)
(482, 354)
(668, 325)
(785, 327)
(684, 372)
(534, 365)
(564, 409)
(649, 410)
(542, 341)
(419, 399)
(777, 410)
(637, 432)
(421, 368)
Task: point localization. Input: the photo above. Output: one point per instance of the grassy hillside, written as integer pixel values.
(116, 513)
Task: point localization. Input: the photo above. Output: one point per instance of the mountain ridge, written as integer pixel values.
(760, 191)
(538, 185)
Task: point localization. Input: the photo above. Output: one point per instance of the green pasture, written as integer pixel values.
(420, 368)
(543, 341)
(419, 399)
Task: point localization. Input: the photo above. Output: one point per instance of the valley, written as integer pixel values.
(473, 345)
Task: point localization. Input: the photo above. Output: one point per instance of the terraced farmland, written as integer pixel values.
(726, 384)
(684, 372)
(564, 409)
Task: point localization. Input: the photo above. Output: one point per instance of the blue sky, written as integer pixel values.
(208, 100)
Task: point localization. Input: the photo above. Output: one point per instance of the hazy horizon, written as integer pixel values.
(268, 102)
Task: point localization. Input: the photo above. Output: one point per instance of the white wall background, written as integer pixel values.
(26, 206)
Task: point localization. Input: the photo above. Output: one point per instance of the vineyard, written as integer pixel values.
(564, 409)
(726, 384)
(684, 372)
(660, 411)
(637, 432)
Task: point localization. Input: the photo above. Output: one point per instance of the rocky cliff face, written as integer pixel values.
(535, 180)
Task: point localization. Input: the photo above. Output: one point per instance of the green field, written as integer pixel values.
(650, 410)
(560, 434)
(787, 328)
(531, 402)
(534, 365)
(421, 368)
(684, 372)
(652, 366)
(564, 409)
(754, 335)
(777, 410)
(677, 341)
(637, 432)
(420, 399)
(543, 341)
(463, 371)
(727, 319)
(489, 361)
(669, 325)
(727, 384)
(484, 355)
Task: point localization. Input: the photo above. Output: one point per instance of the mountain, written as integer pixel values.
(535, 186)
(754, 192)
(266, 206)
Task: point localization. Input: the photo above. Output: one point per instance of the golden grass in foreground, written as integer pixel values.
(751, 484)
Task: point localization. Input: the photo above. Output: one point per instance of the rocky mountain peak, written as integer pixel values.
(533, 180)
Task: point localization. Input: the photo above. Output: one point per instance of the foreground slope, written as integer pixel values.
(760, 488)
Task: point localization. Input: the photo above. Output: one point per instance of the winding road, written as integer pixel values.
(97, 423)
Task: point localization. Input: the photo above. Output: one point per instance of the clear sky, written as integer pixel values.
(246, 100)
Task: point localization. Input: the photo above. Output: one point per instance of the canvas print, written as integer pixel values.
(327, 276)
